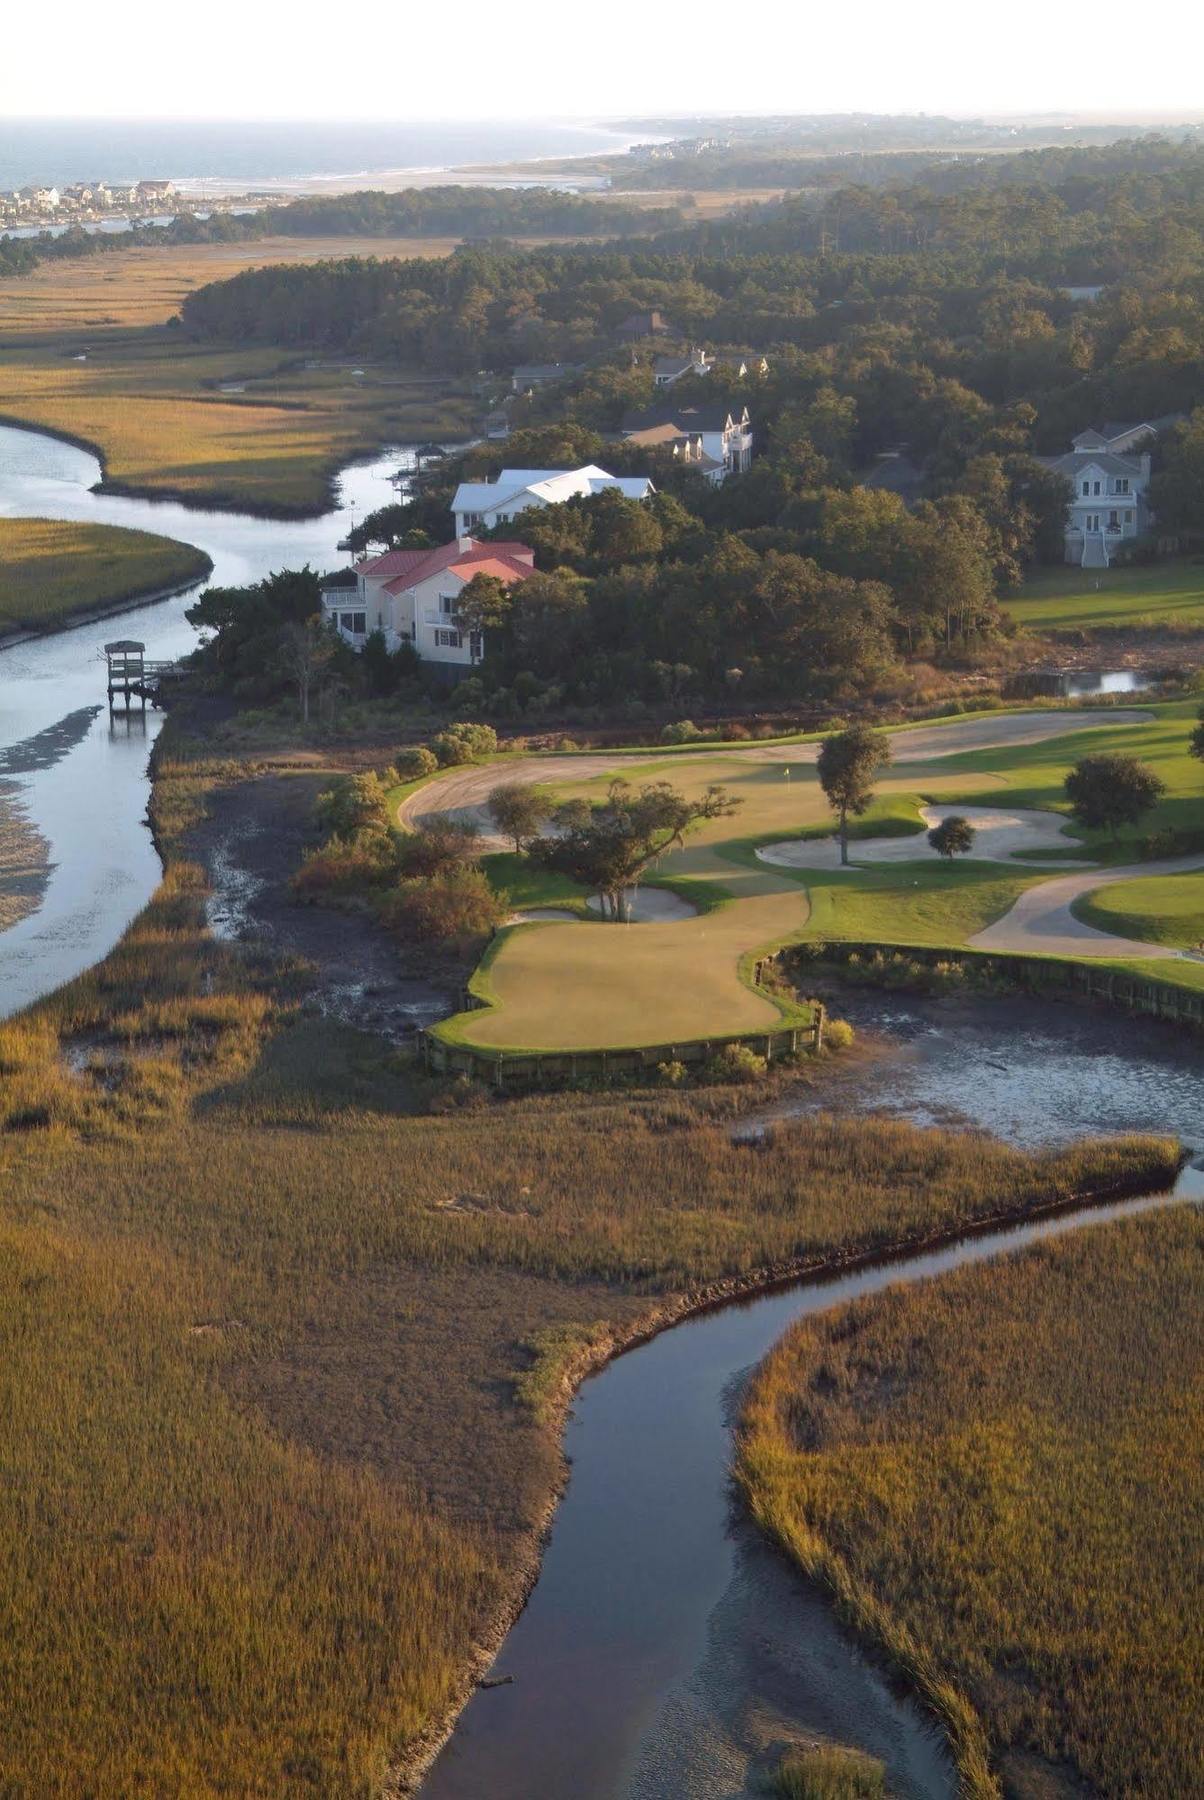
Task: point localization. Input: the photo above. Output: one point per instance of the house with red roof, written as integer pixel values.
(411, 597)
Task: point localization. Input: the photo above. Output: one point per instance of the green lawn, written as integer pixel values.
(561, 986)
(1161, 909)
(50, 569)
(1071, 599)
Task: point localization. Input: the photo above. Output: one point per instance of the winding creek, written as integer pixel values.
(665, 1648)
(77, 775)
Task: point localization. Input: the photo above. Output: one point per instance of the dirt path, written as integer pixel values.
(1042, 923)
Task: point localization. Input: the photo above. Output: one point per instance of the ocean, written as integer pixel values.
(224, 157)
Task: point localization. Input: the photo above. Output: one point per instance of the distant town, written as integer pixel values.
(96, 202)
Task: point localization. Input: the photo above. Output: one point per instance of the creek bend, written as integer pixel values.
(665, 1647)
(77, 774)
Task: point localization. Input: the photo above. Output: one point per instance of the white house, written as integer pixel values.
(1109, 473)
(726, 432)
(484, 504)
(666, 370)
(410, 596)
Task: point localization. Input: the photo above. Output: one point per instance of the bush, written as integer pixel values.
(736, 1062)
(443, 843)
(464, 743)
(456, 905)
(838, 1034)
(346, 865)
(671, 1074)
(683, 732)
(354, 803)
(413, 763)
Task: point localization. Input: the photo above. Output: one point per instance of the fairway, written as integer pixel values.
(1072, 599)
(50, 569)
(565, 986)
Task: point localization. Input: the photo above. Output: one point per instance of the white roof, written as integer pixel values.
(549, 485)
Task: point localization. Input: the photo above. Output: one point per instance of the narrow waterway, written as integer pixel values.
(78, 775)
(665, 1649)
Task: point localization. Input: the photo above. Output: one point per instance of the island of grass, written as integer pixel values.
(1072, 600)
(1161, 909)
(1000, 1473)
(550, 987)
(52, 570)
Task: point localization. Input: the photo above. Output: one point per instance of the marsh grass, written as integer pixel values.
(998, 1473)
(266, 1477)
(50, 569)
(829, 1772)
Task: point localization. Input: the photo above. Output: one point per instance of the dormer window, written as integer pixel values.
(1086, 489)
(1095, 488)
(1122, 486)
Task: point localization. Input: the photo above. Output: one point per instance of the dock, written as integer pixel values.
(130, 676)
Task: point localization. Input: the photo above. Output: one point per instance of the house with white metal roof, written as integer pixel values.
(480, 505)
(1108, 474)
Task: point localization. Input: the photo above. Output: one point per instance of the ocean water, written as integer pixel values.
(224, 156)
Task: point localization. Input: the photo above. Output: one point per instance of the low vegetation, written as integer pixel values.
(829, 1772)
(999, 1472)
(50, 569)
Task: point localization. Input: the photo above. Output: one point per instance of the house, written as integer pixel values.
(154, 190)
(644, 325)
(726, 432)
(536, 375)
(410, 597)
(685, 446)
(668, 369)
(1108, 472)
(485, 504)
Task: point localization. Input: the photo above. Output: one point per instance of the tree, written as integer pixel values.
(1195, 744)
(1106, 792)
(519, 811)
(305, 649)
(483, 605)
(607, 846)
(954, 836)
(848, 763)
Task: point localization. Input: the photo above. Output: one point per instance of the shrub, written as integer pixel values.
(354, 803)
(464, 743)
(671, 1074)
(443, 843)
(456, 905)
(346, 865)
(838, 1034)
(683, 732)
(413, 763)
(736, 1062)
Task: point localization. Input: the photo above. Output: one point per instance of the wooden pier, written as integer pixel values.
(130, 676)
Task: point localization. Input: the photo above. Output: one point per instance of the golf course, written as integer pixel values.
(769, 874)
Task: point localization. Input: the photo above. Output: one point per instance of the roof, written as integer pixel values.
(342, 578)
(711, 415)
(549, 485)
(1111, 429)
(1077, 460)
(677, 365)
(512, 558)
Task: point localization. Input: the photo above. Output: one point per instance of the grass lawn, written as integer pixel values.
(50, 569)
(1000, 1472)
(573, 987)
(1162, 909)
(263, 1319)
(1070, 599)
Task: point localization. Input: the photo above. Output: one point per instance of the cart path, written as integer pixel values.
(1041, 923)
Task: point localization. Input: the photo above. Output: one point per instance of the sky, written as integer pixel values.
(394, 59)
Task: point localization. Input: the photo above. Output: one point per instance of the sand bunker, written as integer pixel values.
(1001, 833)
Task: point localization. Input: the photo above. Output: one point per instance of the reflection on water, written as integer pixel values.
(1077, 684)
(83, 778)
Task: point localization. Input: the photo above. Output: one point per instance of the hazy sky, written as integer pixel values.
(389, 59)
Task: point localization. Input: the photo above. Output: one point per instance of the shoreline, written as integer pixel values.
(405, 1778)
(108, 609)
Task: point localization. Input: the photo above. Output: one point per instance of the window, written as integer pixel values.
(475, 646)
(355, 623)
(1086, 489)
(1122, 486)
(447, 604)
(1095, 488)
(1113, 521)
(447, 640)
(1092, 521)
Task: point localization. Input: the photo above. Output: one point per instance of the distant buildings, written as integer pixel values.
(644, 325)
(893, 472)
(484, 504)
(410, 596)
(1109, 474)
(667, 370)
(725, 432)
